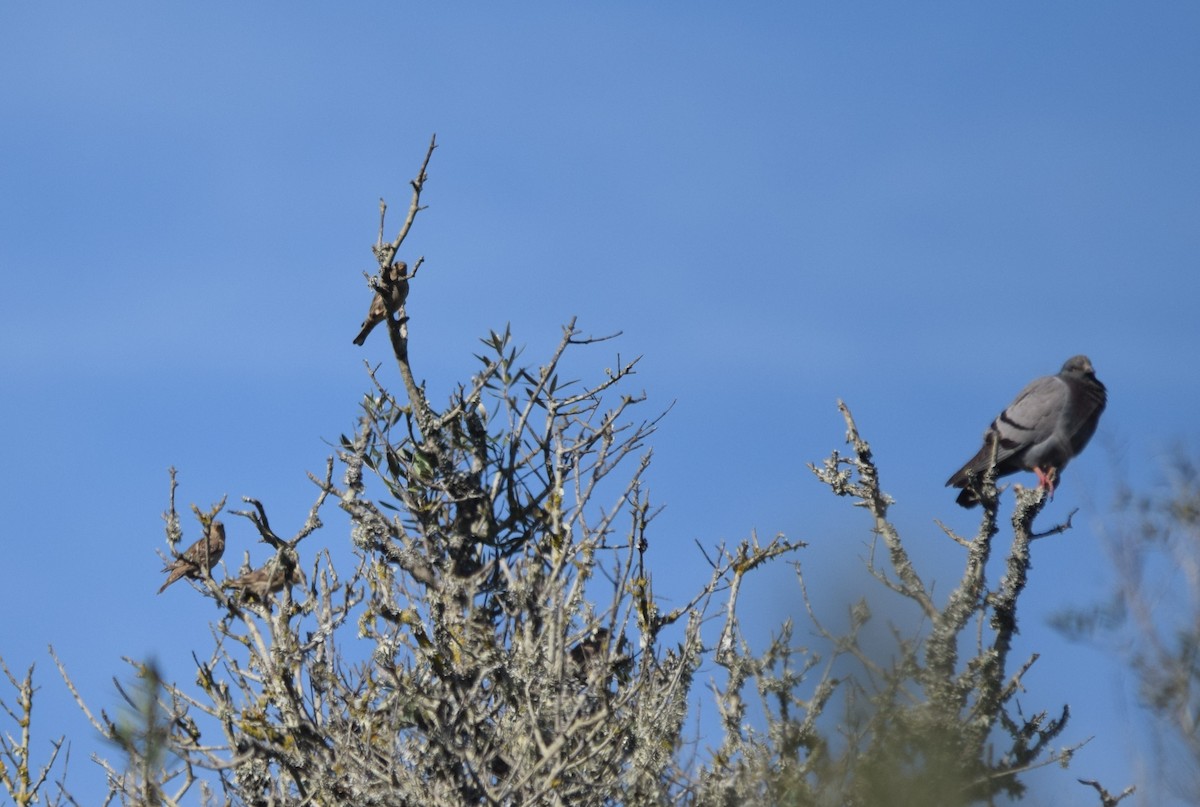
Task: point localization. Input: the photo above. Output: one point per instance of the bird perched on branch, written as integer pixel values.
(270, 578)
(394, 284)
(1047, 425)
(203, 554)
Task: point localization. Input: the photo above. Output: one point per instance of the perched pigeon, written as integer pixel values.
(1049, 423)
(203, 554)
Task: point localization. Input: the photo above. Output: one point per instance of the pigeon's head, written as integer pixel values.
(1078, 365)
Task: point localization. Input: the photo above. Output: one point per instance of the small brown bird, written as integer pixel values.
(203, 554)
(396, 285)
(267, 579)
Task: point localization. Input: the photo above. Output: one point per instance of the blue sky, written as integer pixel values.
(917, 208)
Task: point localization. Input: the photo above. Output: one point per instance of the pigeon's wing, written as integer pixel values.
(1024, 423)
(1032, 418)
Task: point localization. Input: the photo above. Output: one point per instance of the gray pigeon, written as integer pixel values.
(1048, 424)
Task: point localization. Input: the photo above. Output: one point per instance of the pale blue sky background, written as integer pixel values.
(918, 208)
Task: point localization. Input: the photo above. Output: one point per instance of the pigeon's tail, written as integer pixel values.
(967, 498)
(362, 335)
(971, 471)
(974, 467)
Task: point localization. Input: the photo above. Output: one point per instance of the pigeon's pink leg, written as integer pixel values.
(1046, 479)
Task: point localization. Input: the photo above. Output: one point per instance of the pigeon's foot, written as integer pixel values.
(1046, 479)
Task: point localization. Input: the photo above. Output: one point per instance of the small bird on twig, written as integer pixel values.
(395, 285)
(269, 578)
(203, 554)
